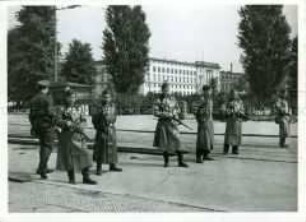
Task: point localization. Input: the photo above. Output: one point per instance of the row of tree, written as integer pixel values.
(269, 56)
(33, 50)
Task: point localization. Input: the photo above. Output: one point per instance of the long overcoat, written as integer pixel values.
(233, 131)
(72, 153)
(282, 117)
(205, 134)
(105, 147)
(167, 133)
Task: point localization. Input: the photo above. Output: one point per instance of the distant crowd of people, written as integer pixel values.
(73, 154)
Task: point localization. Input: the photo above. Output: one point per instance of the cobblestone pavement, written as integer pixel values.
(47, 198)
(262, 178)
(226, 184)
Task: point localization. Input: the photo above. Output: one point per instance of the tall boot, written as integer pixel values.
(282, 142)
(166, 159)
(86, 177)
(113, 167)
(71, 176)
(45, 153)
(99, 169)
(225, 149)
(206, 156)
(235, 150)
(180, 160)
(199, 157)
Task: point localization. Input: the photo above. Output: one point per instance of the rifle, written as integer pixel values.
(244, 116)
(241, 115)
(74, 127)
(165, 108)
(180, 122)
(77, 129)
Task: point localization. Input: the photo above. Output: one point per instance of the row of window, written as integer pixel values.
(180, 92)
(158, 85)
(172, 79)
(173, 71)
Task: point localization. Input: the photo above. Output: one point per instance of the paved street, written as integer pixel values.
(227, 184)
(19, 125)
(262, 178)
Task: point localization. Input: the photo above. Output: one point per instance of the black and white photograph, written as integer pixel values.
(140, 108)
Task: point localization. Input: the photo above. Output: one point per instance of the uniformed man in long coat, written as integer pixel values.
(167, 134)
(73, 154)
(205, 135)
(234, 114)
(42, 120)
(105, 147)
(282, 118)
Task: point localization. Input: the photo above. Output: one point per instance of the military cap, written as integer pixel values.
(45, 83)
(206, 87)
(164, 85)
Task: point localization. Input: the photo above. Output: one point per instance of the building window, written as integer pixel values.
(154, 68)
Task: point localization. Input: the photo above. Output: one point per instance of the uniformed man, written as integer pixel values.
(234, 116)
(105, 148)
(42, 119)
(73, 154)
(166, 136)
(205, 135)
(282, 118)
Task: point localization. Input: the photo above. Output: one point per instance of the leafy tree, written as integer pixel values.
(242, 84)
(264, 39)
(13, 56)
(125, 46)
(293, 74)
(79, 66)
(30, 51)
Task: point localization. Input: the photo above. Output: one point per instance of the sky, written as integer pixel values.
(180, 32)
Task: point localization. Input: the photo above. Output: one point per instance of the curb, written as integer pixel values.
(183, 132)
(124, 148)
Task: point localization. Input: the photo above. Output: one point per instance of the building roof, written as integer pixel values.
(172, 61)
(207, 64)
(197, 63)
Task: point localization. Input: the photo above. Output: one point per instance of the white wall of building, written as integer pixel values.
(185, 78)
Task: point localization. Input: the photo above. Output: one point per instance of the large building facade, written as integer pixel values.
(184, 78)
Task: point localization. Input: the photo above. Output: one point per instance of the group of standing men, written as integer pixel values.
(73, 154)
(68, 123)
(166, 109)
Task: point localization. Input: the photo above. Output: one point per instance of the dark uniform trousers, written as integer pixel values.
(46, 141)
